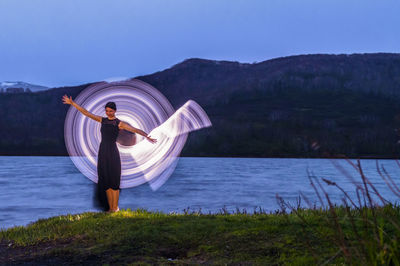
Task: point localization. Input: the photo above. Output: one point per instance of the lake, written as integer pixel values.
(34, 187)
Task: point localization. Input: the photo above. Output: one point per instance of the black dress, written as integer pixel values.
(109, 161)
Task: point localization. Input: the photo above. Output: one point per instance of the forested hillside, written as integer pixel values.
(298, 106)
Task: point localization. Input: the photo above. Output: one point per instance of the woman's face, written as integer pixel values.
(110, 112)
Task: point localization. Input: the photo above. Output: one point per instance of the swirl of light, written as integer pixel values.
(143, 107)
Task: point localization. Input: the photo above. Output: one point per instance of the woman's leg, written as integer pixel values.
(117, 199)
(113, 196)
(110, 197)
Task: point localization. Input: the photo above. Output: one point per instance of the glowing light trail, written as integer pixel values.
(143, 107)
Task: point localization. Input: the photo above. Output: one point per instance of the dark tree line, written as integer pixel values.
(300, 106)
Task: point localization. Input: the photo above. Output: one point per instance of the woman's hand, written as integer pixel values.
(67, 100)
(151, 140)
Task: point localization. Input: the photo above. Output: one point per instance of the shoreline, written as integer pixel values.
(228, 157)
(154, 238)
(305, 236)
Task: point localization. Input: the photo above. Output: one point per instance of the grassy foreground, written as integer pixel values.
(140, 237)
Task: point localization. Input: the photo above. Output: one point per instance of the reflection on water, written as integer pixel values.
(33, 187)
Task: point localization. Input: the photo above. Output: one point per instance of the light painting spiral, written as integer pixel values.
(143, 107)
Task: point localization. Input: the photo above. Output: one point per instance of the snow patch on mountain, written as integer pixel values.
(4, 85)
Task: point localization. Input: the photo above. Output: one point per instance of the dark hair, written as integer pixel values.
(111, 105)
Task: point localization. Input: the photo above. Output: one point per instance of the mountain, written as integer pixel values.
(210, 80)
(298, 106)
(9, 85)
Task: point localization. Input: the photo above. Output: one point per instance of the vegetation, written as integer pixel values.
(361, 231)
(298, 106)
(365, 229)
(298, 123)
(302, 237)
(358, 232)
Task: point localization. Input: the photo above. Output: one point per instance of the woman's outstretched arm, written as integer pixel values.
(69, 100)
(125, 126)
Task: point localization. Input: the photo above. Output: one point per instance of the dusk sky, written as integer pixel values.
(61, 43)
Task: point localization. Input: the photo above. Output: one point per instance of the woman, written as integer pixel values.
(109, 162)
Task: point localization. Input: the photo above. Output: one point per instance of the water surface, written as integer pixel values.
(33, 187)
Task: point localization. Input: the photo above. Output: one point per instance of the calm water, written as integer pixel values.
(40, 187)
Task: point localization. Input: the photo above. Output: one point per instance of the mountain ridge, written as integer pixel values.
(297, 106)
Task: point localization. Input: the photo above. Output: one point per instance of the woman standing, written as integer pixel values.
(109, 162)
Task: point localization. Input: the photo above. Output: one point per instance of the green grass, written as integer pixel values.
(139, 235)
(302, 238)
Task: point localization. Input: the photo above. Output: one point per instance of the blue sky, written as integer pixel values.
(60, 43)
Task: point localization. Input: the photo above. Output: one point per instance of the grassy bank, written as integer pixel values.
(301, 237)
